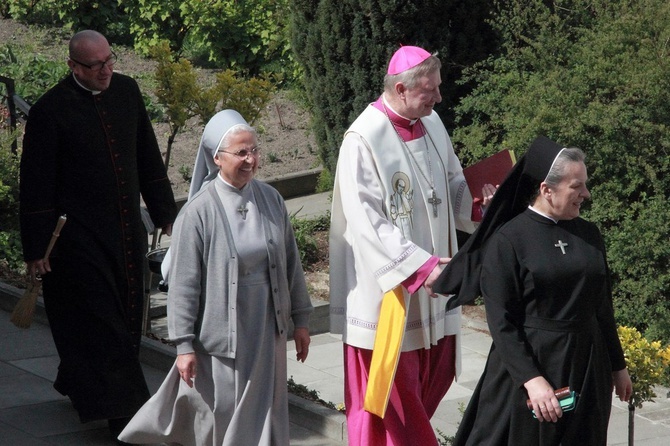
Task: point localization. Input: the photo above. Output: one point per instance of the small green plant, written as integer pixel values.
(307, 246)
(312, 395)
(444, 439)
(185, 172)
(447, 440)
(273, 157)
(304, 230)
(325, 181)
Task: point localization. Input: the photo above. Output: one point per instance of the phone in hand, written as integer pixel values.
(567, 403)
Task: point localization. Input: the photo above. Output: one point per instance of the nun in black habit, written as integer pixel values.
(543, 274)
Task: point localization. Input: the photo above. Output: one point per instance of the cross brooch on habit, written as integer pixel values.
(243, 211)
(561, 245)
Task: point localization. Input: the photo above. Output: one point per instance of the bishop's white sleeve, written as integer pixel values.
(388, 255)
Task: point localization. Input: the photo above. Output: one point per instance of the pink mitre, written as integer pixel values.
(405, 58)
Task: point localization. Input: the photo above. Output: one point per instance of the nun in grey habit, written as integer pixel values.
(236, 280)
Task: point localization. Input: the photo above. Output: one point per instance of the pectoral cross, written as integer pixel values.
(561, 245)
(434, 201)
(243, 211)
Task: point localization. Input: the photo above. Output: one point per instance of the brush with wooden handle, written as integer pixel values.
(22, 316)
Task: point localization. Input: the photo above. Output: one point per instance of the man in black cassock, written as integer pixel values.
(89, 152)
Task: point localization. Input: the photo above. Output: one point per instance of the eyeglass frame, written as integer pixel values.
(254, 152)
(112, 58)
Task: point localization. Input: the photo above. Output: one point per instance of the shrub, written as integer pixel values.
(33, 74)
(304, 230)
(32, 11)
(250, 36)
(183, 96)
(647, 363)
(638, 255)
(73, 15)
(592, 76)
(10, 241)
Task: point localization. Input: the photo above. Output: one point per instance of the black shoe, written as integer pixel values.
(116, 425)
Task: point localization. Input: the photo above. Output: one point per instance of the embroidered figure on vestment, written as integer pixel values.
(402, 202)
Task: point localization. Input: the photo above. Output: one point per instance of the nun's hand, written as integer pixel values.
(545, 403)
(302, 340)
(622, 384)
(186, 365)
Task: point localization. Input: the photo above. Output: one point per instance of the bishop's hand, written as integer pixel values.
(432, 277)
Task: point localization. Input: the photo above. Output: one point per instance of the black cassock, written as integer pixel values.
(548, 304)
(89, 157)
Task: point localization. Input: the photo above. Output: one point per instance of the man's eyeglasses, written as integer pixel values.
(244, 153)
(111, 60)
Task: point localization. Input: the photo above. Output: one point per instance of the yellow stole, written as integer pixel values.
(386, 351)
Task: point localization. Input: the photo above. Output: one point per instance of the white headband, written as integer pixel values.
(554, 162)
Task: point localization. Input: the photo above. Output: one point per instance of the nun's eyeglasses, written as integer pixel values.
(244, 153)
(111, 60)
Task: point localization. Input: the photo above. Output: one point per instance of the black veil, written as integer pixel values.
(461, 276)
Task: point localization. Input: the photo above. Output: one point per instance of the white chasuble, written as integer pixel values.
(383, 227)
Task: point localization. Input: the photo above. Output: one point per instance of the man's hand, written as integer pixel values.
(434, 274)
(37, 268)
(488, 191)
(167, 230)
(302, 340)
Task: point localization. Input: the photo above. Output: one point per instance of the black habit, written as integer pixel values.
(90, 156)
(547, 296)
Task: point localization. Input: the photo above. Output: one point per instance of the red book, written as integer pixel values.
(491, 170)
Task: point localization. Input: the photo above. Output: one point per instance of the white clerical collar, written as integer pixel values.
(387, 105)
(542, 214)
(93, 92)
(219, 176)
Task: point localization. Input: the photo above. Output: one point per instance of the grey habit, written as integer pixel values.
(236, 281)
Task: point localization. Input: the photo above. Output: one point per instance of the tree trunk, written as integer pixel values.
(169, 146)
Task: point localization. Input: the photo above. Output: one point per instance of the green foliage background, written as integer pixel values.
(250, 35)
(588, 73)
(596, 75)
(344, 48)
(33, 74)
(10, 245)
